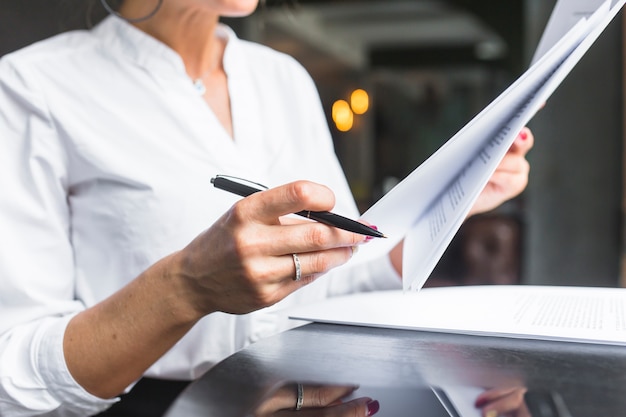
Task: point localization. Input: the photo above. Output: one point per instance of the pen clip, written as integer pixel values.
(239, 180)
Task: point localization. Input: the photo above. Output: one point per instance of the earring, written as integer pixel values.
(109, 9)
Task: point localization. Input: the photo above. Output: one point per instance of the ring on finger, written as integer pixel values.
(296, 263)
(299, 396)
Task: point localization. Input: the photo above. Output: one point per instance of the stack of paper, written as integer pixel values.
(427, 208)
(575, 314)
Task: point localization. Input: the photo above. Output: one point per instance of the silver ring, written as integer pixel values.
(296, 262)
(300, 397)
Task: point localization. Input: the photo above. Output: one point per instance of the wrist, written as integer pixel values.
(182, 301)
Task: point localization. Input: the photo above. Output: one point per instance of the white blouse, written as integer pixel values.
(106, 156)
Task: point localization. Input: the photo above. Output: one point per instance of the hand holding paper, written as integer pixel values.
(510, 177)
(427, 208)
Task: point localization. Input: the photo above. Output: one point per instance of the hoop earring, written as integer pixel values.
(110, 10)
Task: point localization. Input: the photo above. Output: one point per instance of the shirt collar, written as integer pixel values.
(232, 54)
(150, 53)
(146, 51)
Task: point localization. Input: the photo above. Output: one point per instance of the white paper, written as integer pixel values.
(564, 16)
(428, 207)
(575, 314)
(460, 399)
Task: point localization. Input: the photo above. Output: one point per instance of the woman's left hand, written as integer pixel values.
(510, 177)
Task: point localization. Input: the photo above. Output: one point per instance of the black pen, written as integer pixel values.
(244, 188)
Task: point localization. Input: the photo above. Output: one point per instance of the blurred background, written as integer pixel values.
(399, 77)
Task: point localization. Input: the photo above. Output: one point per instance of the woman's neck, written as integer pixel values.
(190, 32)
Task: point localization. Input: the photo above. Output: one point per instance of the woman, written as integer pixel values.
(110, 138)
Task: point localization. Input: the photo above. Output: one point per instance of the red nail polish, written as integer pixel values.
(523, 135)
(480, 402)
(374, 227)
(373, 407)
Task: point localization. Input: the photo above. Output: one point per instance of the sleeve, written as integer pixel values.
(376, 274)
(37, 294)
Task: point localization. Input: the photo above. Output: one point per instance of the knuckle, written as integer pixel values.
(265, 299)
(259, 297)
(356, 239)
(237, 212)
(518, 164)
(310, 193)
(240, 246)
(322, 262)
(319, 397)
(317, 235)
(357, 411)
(306, 280)
(257, 274)
(301, 191)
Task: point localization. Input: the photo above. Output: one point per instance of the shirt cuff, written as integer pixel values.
(57, 377)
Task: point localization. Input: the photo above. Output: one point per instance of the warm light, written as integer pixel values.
(359, 101)
(342, 115)
(339, 107)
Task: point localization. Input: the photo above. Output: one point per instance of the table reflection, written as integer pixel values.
(412, 373)
(316, 400)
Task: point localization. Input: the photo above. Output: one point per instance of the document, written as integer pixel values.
(459, 400)
(427, 208)
(564, 16)
(574, 314)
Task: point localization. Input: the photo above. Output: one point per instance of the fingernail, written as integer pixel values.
(480, 402)
(523, 135)
(372, 407)
(368, 238)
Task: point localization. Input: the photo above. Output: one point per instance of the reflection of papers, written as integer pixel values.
(580, 314)
(459, 400)
(427, 208)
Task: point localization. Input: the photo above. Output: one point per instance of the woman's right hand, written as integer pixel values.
(244, 261)
(317, 401)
